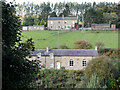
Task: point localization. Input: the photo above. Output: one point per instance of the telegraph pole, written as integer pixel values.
(83, 21)
(58, 39)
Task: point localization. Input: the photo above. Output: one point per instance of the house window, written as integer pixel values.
(65, 22)
(51, 22)
(58, 26)
(65, 26)
(51, 64)
(73, 22)
(59, 22)
(71, 62)
(51, 27)
(51, 56)
(84, 62)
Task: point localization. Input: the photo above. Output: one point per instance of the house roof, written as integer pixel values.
(66, 52)
(100, 24)
(62, 18)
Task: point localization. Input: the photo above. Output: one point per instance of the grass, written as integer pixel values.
(43, 39)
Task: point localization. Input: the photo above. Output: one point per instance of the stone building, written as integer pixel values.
(34, 27)
(62, 23)
(71, 59)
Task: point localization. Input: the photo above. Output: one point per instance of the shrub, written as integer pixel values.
(63, 47)
(99, 45)
(104, 69)
(82, 44)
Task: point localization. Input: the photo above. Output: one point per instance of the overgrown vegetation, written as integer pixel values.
(18, 72)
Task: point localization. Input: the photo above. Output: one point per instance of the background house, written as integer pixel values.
(55, 23)
(71, 59)
(34, 27)
(103, 26)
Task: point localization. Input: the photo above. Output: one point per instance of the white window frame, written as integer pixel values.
(73, 22)
(84, 63)
(51, 56)
(71, 63)
(65, 22)
(51, 65)
(51, 22)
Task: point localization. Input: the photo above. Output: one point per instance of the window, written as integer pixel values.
(65, 22)
(51, 56)
(51, 64)
(58, 26)
(59, 22)
(73, 22)
(65, 26)
(71, 62)
(84, 62)
(51, 22)
(51, 27)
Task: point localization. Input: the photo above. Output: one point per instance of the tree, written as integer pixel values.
(63, 47)
(42, 22)
(104, 68)
(28, 21)
(100, 45)
(18, 72)
(53, 14)
(82, 44)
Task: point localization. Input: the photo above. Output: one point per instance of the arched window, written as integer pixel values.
(71, 62)
(84, 62)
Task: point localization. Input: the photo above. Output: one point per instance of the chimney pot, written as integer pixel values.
(95, 47)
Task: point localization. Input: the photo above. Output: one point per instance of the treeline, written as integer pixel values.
(103, 12)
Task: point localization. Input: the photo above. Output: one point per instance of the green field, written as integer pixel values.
(42, 39)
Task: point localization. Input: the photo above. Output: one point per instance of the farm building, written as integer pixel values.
(103, 26)
(71, 59)
(34, 27)
(62, 23)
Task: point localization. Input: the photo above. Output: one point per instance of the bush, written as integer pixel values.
(104, 69)
(82, 44)
(63, 47)
(99, 45)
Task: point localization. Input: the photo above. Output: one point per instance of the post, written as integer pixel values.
(83, 22)
(58, 39)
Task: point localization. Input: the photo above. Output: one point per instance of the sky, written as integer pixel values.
(54, 1)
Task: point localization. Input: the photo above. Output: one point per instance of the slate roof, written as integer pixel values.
(100, 24)
(66, 52)
(62, 18)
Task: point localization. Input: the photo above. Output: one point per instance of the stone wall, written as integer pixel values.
(64, 61)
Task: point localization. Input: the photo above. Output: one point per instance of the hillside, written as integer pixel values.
(43, 39)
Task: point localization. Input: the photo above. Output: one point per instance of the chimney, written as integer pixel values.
(48, 16)
(47, 49)
(95, 47)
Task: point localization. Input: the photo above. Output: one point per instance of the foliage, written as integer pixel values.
(114, 84)
(94, 81)
(103, 67)
(50, 78)
(18, 72)
(63, 47)
(82, 44)
(42, 22)
(99, 45)
(53, 14)
(28, 21)
(96, 15)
